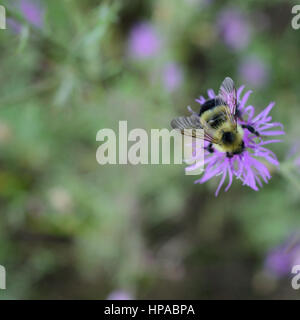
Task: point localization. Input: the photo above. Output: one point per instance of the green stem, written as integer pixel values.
(52, 49)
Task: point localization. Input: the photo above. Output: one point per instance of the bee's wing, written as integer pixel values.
(192, 122)
(228, 94)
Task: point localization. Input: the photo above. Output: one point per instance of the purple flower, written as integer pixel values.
(293, 150)
(254, 71)
(297, 163)
(234, 28)
(120, 295)
(144, 42)
(199, 2)
(32, 12)
(293, 155)
(245, 166)
(280, 261)
(172, 76)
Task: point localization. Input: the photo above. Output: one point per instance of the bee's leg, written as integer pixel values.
(210, 148)
(251, 129)
(229, 155)
(238, 113)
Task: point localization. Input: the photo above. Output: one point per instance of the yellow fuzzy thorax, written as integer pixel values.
(224, 125)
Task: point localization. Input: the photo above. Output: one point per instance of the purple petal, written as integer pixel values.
(211, 93)
(230, 179)
(201, 100)
(221, 182)
(239, 92)
(244, 99)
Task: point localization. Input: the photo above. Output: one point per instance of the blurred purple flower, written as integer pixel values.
(279, 261)
(32, 11)
(199, 2)
(254, 71)
(120, 295)
(293, 150)
(234, 28)
(144, 42)
(172, 76)
(244, 166)
(297, 162)
(293, 155)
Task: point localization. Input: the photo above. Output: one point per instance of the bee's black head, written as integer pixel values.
(228, 137)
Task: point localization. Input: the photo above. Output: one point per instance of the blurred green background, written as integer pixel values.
(73, 229)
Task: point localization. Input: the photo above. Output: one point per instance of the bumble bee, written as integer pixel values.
(218, 119)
